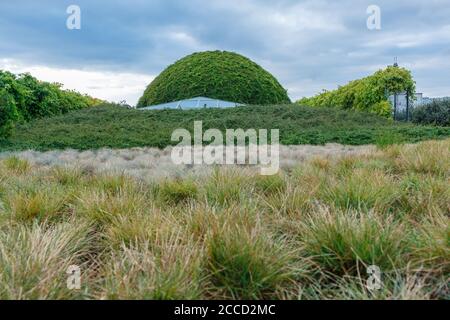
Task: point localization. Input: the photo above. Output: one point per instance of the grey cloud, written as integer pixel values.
(308, 45)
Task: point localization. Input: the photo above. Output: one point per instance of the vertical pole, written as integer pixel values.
(407, 105)
(395, 106)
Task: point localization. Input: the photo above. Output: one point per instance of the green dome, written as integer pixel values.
(215, 74)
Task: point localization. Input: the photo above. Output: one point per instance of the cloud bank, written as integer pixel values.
(307, 45)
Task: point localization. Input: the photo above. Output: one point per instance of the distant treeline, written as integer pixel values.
(368, 94)
(23, 98)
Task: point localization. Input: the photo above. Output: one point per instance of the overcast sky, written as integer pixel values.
(307, 45)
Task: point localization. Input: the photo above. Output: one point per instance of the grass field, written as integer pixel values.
(116, 127)
(307, 233)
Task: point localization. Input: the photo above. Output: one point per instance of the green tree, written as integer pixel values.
(367, 94)
(25, 98)
(8, 113)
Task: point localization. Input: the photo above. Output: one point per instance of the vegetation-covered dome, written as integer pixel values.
(215, 74)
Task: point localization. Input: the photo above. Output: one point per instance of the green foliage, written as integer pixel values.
(116, 127)
(368, 94)
(23, 98)
(8, 113)
(435, 113)
(215, 74)
(387, 139)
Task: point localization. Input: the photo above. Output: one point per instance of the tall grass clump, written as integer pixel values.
(34, 260)
(430, 157)
(361, 189)
(39, 202)
(166, 272)
(178, 191)
(68, 176)
(139, 226)
(431, 245)
(394, 286)
(270, 184)
(102, 208)
(247, 265)
(114, 184)
(225, 187)
(424, 196)
(346, 242)
(16, 164)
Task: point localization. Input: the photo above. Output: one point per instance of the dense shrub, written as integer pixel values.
(8, 113)
(23, 98)
(436, 113)
(215, 74)
(117, 127)
(368, 94)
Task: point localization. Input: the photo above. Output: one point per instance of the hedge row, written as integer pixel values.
(23, 98)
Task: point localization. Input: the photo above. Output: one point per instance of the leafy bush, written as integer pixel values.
(368, 94)
(435, 113)
(8, 113)
(215, 74)
(23, 98)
